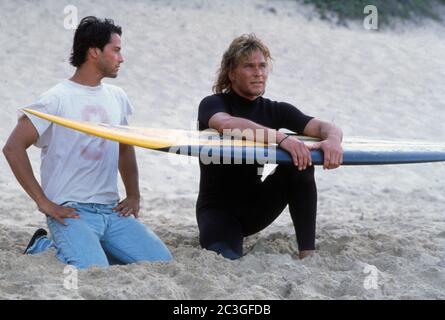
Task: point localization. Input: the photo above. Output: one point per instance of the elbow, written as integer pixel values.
(223, 125)
(10, 151)
(7, 150)
(340, 133)
(219, 128)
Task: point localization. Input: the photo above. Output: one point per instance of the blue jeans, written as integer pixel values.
(101, 236)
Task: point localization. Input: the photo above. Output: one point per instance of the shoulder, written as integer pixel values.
(49, 101)
(55, 93)
(275, 104)
(282, 108)
(118, 91)
(286, 105)
(119, 94)
(279, 104)
(213, 99)
(121, 97)
(209, 106)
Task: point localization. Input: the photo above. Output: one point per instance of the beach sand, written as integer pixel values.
(380, 230)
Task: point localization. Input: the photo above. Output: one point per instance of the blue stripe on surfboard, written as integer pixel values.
(227, 154)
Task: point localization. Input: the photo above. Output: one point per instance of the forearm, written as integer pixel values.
(21, 167)
(243, 128)
(129, 170)
(330, 131)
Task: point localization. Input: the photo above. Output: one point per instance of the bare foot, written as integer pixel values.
(306, 253)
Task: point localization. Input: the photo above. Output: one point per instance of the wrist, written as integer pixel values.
(41, 201)
(134, 196)
(285, 136)
(279, 137)
(335, 138)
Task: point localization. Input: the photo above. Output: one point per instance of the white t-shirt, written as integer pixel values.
(76, 166)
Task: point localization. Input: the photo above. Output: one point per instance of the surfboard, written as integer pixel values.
(211, 147)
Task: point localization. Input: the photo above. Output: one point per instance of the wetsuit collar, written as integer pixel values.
(237, 99)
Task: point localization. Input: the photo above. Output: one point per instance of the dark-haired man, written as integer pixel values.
(233, 202)
(78, 192)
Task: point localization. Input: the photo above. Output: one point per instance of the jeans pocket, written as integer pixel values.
(110, 206)
(70, 204)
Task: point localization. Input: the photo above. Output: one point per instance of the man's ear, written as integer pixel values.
(231, 75)
(93, 52)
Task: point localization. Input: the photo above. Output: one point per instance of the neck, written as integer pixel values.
(87, 75)
(248, 97)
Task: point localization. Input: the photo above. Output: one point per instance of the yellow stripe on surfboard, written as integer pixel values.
(151, 138)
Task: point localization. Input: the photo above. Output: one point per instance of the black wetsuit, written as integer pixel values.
(233, 202)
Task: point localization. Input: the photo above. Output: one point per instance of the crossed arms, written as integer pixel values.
(330, 135)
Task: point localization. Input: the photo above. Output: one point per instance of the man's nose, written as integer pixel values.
(121, 58)
(258, 71)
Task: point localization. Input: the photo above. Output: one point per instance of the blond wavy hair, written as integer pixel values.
(240, 48)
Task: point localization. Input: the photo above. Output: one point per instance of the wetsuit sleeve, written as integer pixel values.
(292, 118)
(208, 107)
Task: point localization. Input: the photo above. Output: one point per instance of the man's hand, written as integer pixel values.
(301, 155)
(332, 150)
(58, 212)
(128, 206)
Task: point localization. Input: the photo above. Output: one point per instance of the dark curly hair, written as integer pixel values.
(91, 33)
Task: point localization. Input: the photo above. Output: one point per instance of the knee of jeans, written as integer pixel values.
(166, 255)
(157, 253)
(162, 254)
(81, 259)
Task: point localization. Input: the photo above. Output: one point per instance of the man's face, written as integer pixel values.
(110, 58)
(249, 78)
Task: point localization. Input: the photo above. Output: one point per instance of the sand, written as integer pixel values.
(380, 231)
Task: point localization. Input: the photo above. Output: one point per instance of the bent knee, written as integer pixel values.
(83, 262)
(154, 253)
(162, 254)
(305, 176)
(166, 257)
